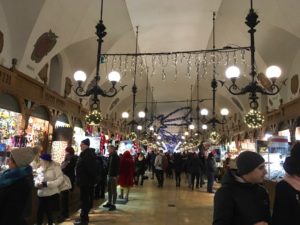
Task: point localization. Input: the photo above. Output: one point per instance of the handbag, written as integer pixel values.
(66, 184)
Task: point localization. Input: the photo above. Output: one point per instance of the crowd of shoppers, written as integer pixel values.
(241, 199)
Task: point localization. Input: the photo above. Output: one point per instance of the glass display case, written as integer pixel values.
(274, 151)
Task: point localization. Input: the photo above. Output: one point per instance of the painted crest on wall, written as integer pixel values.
(43, 46)
(1, 41)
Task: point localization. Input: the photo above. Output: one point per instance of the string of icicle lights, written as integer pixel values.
(175, 63)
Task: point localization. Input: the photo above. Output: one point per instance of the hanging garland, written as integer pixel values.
(254, 119)
(164, 63)
(94, 117)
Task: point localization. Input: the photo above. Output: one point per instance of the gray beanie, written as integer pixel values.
(23, 156)
(247, 161)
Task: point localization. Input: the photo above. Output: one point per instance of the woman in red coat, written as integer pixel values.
(126, 174)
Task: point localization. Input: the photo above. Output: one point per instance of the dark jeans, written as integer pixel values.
(153, 171)
(210, 181)
(202, 174)
(46, 206)
(86, 198)
(100, 189)
(112, 190)
(160, 177)
(137, 177)
(65, 203)
(178, 178)
(193, 177)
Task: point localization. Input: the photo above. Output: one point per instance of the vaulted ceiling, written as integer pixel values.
(164, 26)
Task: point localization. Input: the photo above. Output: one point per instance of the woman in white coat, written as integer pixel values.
(49, 178)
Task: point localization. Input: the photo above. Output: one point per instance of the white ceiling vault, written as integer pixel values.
(164, 26)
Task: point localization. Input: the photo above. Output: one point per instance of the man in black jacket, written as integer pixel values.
(113, 173)
(86, 172)
(242, 200)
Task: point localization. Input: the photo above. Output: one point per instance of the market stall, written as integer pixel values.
(11, 134)
(62, 137)
(38, 127)
(274, 152)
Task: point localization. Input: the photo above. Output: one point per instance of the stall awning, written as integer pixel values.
(41, 113)
(63, 118)
(9, 102)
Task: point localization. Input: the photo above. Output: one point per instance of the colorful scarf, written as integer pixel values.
(294, 181)
(10, 176)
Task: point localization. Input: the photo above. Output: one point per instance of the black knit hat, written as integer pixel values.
(292, 163)
(247, 161)
(86, 142)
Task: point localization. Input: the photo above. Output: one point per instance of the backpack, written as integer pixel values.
(165, 163)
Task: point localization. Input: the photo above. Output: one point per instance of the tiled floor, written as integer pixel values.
(149, 205)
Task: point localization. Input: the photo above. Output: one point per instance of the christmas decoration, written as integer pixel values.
(174, 118)
(254, 119)
(144, 142)
(94, 117)
(214, 137)
(155, 64)
(132, 136)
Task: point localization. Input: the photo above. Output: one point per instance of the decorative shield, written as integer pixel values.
(43, 46)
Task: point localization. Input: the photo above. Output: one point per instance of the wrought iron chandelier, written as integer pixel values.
(113, 76)
(272, 73)
(213, 121)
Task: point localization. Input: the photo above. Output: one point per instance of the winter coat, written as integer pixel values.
(194, 166)
(286, 209)
(52, 176)
(158, 163)
(211, 166)
(126, 170)
(178, 163)
(113, 165)
(239, 203)
(68, 167)
(86, 168)
(15, 199)
(140, 166)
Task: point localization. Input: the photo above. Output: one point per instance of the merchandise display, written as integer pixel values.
(8, 126)
(78, 136)
(37, 131)
(126, 146)
(274, 151)
(94, 143)
(58, 150)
